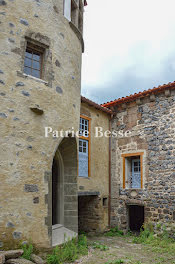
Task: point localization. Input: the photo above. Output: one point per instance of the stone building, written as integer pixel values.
(93, 180)
(143, 158)
(121, 180)
(40, 72)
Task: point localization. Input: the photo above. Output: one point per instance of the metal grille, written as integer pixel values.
(33, 62)
(134, 180)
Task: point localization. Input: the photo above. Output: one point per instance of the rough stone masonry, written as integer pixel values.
(29, 104)
(151, 121)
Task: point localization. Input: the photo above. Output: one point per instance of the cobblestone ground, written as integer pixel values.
(122, 248)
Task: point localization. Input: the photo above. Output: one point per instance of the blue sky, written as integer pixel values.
(129, 47)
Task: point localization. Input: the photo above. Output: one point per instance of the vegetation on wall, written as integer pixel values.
(28, 250)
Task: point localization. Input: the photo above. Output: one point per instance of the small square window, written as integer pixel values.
(33, 61)
(105, 201)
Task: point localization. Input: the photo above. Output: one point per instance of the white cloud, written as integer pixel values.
(126, 36)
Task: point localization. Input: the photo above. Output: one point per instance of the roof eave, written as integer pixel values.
(95, 105)
(140, 95)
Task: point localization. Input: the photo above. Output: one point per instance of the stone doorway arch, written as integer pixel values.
(63, 193)
(57, 190)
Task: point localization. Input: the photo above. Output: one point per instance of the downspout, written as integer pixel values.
(109, 203)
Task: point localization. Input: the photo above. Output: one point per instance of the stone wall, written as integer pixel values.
(98, 180)
(151, 123)
(91, 214)
(27, 106)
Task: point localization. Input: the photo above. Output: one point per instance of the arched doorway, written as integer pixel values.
(57, 190)
(64, 196)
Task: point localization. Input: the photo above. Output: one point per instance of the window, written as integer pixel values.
(133, 171)
(84, 127)
(105, 201)
(67, 9)
(33, 60)
(73, 11)
(84, 147)
(70, 10)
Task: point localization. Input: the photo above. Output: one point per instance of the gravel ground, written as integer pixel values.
(123, 248)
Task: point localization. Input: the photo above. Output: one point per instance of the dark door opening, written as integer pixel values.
(55, 189)
(88, 214)
(136, 217)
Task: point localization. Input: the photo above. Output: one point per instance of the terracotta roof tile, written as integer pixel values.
(97, 106)
(134, 96)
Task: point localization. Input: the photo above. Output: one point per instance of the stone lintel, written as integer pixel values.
(134, 202)
(88, 193)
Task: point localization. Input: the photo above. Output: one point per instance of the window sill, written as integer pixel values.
(84, 177)
(30, 77)
(133, 189)
(89, 193)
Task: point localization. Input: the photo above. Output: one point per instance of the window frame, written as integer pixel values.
(88, 138)
(41, 51)
(137, 154)
(73, 12)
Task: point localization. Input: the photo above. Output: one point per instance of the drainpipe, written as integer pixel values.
(109, 203)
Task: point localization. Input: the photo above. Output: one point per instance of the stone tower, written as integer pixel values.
(41, 47)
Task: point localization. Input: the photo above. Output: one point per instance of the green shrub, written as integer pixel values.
(162, 244)
(100, 246)
(158, 226)
(54, 257)
(129, 233)
(114, 232)
(144, 236)
(69, 251)
(28, 250)
(82, 245)
(117, 261)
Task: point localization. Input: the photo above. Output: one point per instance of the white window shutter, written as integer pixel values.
(67, 9)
